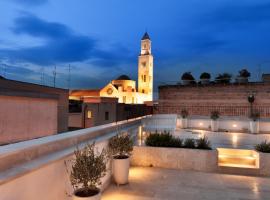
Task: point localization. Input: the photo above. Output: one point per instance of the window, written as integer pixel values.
(144, 78)
(143, 91)
(89, 114)
(106, 115)
(124, 99)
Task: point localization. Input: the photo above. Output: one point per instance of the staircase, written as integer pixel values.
(238, 161)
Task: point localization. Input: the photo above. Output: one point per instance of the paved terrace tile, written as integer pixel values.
(166, 184)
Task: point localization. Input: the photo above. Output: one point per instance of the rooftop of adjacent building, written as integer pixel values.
(18, 88)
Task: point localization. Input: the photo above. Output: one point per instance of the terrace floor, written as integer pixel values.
(166, 184)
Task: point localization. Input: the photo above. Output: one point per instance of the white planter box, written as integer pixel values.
(254, 127)
(214, 125)
(175, 158)
(184, 123)
(121, 170)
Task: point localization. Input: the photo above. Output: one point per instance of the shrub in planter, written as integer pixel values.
(163, 140)
(205, 78)
(223, 78)
(244, 73)
(263, 147)
(254, 123)
(120, 148)
(189, 143)
(214, 122)
(87, 170)
(203, 143)
(184, 121)
(187, 78)
(243, 76)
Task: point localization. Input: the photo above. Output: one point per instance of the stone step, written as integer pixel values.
(244, 170)
(237, 160)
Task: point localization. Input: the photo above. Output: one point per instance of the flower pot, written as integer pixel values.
(186, 82)
(184, 123)
(214, 125)
(240, 79)
(205, 81)
(254, 127)
(95, 196)
(121, 170)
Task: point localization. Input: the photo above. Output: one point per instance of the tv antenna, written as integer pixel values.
(42, 82)
(54, 76)
(69, 79)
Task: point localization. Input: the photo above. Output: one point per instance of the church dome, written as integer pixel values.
(123, 77)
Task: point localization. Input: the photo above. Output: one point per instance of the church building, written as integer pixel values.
(124, 88)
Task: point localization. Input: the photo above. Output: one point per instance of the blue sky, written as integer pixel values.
(100, 39)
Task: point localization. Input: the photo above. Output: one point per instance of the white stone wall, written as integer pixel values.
(175, 158)
(36, 170)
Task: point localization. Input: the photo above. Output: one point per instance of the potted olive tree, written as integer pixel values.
(120, 148)
(87, 170)
(205, 78)
(243, 76)
(184, 119)
(254, 122)
(224, 78)
(187, 78)
(214, 120)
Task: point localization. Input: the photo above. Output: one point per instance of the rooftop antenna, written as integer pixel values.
(69, 76)
(42, 76)
(54, 76)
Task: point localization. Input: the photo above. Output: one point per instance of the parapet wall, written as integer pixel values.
(229, 100)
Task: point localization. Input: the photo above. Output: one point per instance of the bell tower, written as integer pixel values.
(145, 69)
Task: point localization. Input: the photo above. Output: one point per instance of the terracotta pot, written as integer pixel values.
(254, 127)
(95, 197)
(121, 170)
(184, 123)
(214, 125)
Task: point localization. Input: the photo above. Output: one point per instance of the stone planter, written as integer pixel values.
(94, 197)
(264, 163)
(184, 123)
(214, 125)
(186, 82)
(175, 158)
(254, 127)
(240, 79)
(121, 170)
(205, 81)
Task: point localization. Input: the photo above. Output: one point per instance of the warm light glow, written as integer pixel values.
(234, 139)
(237, 157)
(200, 123)
(234, 125)
(201, 135)
(89, 114)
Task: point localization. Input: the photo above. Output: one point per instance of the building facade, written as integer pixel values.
(95, 111)
(29, 111)
(125, 89)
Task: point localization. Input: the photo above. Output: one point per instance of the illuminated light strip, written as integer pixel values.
(243, 157)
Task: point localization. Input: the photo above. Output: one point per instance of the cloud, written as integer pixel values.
(34, 26)
(61, 45)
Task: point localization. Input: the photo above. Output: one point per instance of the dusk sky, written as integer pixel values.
(100, 39)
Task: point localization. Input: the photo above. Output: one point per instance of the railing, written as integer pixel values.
(36, 169)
